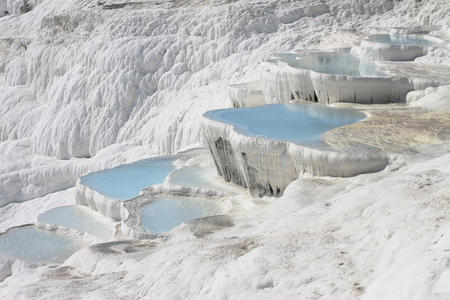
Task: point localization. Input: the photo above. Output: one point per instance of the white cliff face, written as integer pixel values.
(267, 167)
(283, 84)
(246, 94)
(408, 48)
(109, 207)
(379, 51)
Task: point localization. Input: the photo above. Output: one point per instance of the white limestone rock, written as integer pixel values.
(107, 206)
(284, 83)
(266, 167)
(371, 50)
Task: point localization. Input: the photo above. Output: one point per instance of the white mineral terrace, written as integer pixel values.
(329, 77)
(396, 47)
(221, 149)
(104, 191)
(134, 196)
(266, 161)
(38, 245)
(144, 208)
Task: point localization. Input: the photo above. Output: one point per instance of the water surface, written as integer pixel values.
(31, 244)
(167, 212)
(400, 40)
(203, 178)
(302, 124)
(335, 63)
(126, 181)
(76, 217)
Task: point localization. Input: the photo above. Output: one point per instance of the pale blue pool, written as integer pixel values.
(38, 246)
(78, 218)
(335, 63)
(167, 212)
(302, 124)
(196, 177)
(126, 181)
(202, 178)
(400, 40)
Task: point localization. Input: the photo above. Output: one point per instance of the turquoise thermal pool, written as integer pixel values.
(335, 63)
(126, 181)
(167, 212)
(78, 218)
(302, 124)
(203, 178)
(34, 245)
(400, 40)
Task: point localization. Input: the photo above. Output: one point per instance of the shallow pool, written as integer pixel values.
(35, 245)
(302, 124)
(336, 63)
(400, 40)
(203, 178)
(78, 218)
(126, 181)
(167, 212)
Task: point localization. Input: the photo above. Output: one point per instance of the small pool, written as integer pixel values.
(37, 246)
(126, 181)
(303, 124)
(167, 212)
(78, 218)
(398, 39)
(335, 63)
(203, 178)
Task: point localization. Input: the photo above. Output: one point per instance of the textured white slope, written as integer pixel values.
(75, 78)
(438, 97)
(116, 85)
(24, 175)
(375, 236)
(101, 76)
(123, 65)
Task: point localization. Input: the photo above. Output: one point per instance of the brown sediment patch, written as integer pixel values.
(230, 248)
(121, 247)
(204, 226)
(393, 129)
(63, 273)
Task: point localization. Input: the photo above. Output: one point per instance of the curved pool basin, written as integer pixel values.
(334, 63)
(201, 178)
(126, 181)
(329, 77)
(167, 212)
(299, 123)
(394, 47)
(78, 218)
(34, 245)
(398, 39)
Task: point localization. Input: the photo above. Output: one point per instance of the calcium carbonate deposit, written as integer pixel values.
(116, 182)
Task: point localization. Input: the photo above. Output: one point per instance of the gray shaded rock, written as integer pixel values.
(204, 226)
(5, 268)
